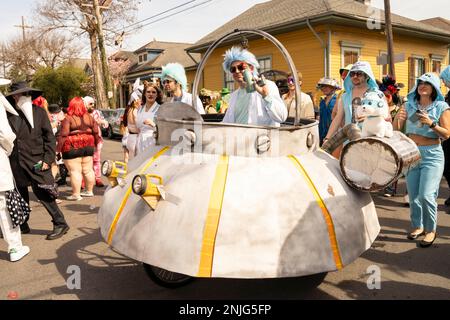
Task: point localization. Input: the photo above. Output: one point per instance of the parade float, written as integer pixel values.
(216, 200)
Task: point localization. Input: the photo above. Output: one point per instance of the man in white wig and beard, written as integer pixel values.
(175, 85)
(259, 104)
(11, 234)
(33, 154)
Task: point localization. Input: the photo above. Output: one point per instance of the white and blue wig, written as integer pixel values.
(239, 54)
(176, 72)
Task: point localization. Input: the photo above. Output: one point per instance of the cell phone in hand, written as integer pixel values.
(415, 116)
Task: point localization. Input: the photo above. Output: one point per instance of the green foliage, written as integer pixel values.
(61, 84)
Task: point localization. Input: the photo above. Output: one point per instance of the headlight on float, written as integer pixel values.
(115, 171)
(139, 184)
(150, 192)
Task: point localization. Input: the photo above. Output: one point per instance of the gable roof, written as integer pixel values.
(438, 22)
(277, 15)
(169, 52)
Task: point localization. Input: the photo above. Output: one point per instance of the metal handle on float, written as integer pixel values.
(265, 35)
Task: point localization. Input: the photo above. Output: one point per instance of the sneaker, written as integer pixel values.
(87, 194)
(58, 201)
(17, 254)
(74, 198)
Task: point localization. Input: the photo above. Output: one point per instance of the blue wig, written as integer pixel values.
(176, 72)
(239, 54)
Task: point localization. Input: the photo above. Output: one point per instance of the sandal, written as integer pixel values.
(426, 244)
(415, 234)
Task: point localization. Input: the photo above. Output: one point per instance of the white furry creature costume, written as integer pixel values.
(376, 110)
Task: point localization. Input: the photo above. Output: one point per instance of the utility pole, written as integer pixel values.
(390, 37)
(104, 62)
(23, 27)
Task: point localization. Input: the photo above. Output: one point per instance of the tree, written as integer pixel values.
(80, 18)
(24, 57)
(61, 84)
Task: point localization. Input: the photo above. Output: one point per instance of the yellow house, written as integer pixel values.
(324, 36)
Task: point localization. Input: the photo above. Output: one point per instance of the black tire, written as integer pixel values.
(165, 278)
(314, 280)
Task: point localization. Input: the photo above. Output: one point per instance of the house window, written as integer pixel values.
(142, 58)
(436, 63)
(265, 64)
(416, 69)
(436, 66)
(229, 81)
(350, 55)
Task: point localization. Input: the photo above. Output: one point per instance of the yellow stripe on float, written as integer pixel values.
(112, 229)
(325, 212)
(213, 218)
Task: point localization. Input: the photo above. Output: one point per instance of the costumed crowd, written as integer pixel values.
(45, 144)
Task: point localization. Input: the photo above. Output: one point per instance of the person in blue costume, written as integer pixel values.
(327, 104)
(262, 106)
(427, 121)
(445, 76)
(175, 84)
(359, 80)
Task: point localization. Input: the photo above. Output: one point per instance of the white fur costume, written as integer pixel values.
(376, 110)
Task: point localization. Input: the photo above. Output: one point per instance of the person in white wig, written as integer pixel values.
(262, 104)
(89, 102)
(175, 84)
(129, 140)
(10, 233)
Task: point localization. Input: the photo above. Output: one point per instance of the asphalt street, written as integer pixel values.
(406, 270)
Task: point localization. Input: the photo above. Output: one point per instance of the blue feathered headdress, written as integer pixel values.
(175, 71)
(239, 54)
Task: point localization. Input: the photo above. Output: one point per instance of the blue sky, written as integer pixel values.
(196, 23)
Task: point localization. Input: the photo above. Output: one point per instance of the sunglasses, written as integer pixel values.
(241, 67)
(167, 81)
(290, 80)
(356, 73)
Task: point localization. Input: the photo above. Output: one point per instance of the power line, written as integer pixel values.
(159, 14)
(171, 15)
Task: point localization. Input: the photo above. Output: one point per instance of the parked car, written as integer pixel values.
(114, 123)
(107, 113)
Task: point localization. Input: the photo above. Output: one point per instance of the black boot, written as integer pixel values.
(25, 228)
(58, 232)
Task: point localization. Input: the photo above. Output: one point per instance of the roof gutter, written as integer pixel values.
(330, 18)
(324, 46)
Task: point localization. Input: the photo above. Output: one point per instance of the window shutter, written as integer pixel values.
(411, 76)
